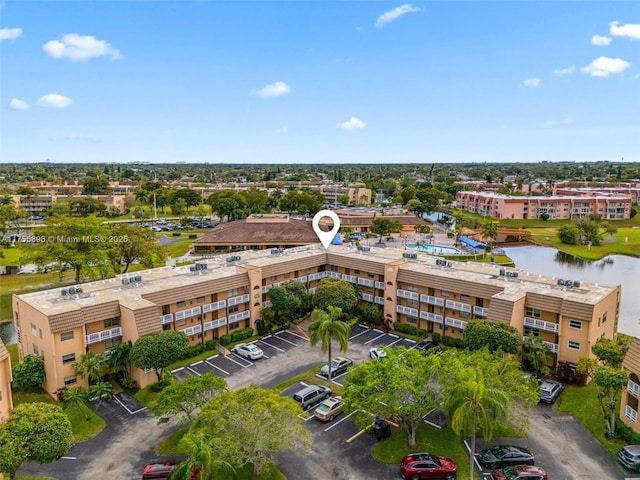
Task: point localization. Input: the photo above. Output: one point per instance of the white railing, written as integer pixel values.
(380, 285)
(366, 282)
(407, 294)
(212, 307)
(633, 388)
(461, 307)
(238, 300)
(378, 300)
(266, 288)
(431, 300)
(190, 312)
(316, 276)
(631, 413)
(219, 322)
(431, 317)
(407, 310)
(367, 297)
(483, 312)
(168, 318)
(302, 279)
(454, 322)
(348, 278)
(553, 347)
(331, 274)
(267, 304)
(541, 324)
(236, 317)
(103, 335)
(193, 330)
(312, 290)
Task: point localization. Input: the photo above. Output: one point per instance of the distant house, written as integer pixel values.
(6, 402)
(629, 400)
(257, 232)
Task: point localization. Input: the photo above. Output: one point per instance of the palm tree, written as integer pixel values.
(534, 354)
(202, 459)
(472, 405)
(119, 359)
(489, 230)
(101, 390)
(91, 366)
(327, 327)
(76, 397)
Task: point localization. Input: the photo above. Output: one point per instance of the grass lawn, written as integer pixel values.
(583, 403)
(146, 397)
(10, 256)
(31, 397)
(35, 478)
(84, 429)
(169, 445)
(13, 354)
(428, 439)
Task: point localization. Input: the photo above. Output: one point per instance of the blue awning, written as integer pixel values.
(471, 243)
(337, 240)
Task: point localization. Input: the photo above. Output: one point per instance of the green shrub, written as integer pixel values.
(193, 235)
(158, 386)
(176, 234)
(210, 345)
(241, 334)
(625, 433)
(436, 337)
(261, 327)
(225, 340)
(193, 351)
(409, 329)
(452, 342)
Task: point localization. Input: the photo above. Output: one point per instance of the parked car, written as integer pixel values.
(156, 229)
(329, 409)
(338, 367)
(311, 395)
(159, 470)
(424, 465)
(550, 390)
(426, 346)
(504, 456)
(629, 456)
(248, 350)
(377, 352)
(520, 472)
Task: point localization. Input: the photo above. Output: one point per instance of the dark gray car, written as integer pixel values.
(550, 390)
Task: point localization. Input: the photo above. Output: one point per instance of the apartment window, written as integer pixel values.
(287, 275)
(70, 380)
(532, 312)
(181, 303)
(356, 271)
(575, 324)
(411, 319)
(35, 349)
(40, 333)
(370, 275)
(306, 271)
(333, 268)
(464, 298)
(34, 329)
(112, 322)
(112, 342)
(573, 345)
(604, 317)
(64, 336)
(531, 331)
(464, 314)
(445, 293)
(199, 299)
(233, 292)
(180, 322)
(234, 308)
(273, 278)
(68, 358)
(412, 288)
(234, 325)
(412, 303)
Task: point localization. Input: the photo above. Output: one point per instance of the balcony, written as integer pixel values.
(553, 347)
(379, 300)
(192, 330)
(267, 304)
(212, 307)
(541, 324)
(302, 279)
(630, 413)
(215, 324)
(412, 312)
(380, 285)
(190, 312)
(633, 388)
(168, 318)
(454, 322)
(103, 335)
(480, 311)
(236, 317)
(367, 297)
(432, 300)
(238, 300)
(349, 278)
(331, 275)
(407, 294)
(365, 282)
(431, 317)
(461, 307)
(312, 290)
(316, 276)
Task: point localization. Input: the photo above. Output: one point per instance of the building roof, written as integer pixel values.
(366, 221)
(4, 353)
(251, 231)
(632, 358)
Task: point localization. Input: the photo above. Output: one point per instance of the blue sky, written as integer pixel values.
(319, 82)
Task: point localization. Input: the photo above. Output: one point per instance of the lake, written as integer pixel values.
(613, 270)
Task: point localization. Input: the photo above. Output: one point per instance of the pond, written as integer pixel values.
(8, 333)
(612, 270)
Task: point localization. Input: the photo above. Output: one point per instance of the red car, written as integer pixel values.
(162, 470)
(424, 465)
(520, 472)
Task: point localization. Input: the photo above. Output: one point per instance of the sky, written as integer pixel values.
(319, 81)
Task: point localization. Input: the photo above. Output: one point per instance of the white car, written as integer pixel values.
(248, 350)
(377, 352)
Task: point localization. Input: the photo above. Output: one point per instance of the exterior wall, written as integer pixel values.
(629, 401)
(6, 401)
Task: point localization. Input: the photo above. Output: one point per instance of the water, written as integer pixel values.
(8, 333)
(435, 249)
(613, 270)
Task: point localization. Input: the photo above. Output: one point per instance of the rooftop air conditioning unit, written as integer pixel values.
(568, 283)
(192, 268)
(448, 264)
(64, 292)
(72, 290)
(503, 272)
(560, 281)
(576, 283)
(78, 289)
(137, 278)
(364, 249)
(125, 281)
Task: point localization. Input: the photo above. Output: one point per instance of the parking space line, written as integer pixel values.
(273, 346)
(177, 370)
(213, 356)
(393, 343)
(197, 363)
(228, 357)
(338, 421)
(214, 366)
(193, 371)
(374, 339)
(127, 408)
(475, 460)
(358, 334)
(288, 341)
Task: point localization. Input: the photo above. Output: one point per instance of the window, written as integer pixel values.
(233, 308)
(71, 357)
(531, 331)
(180, 322)
(69, 380)
(34, 329)
(370, 275)
(35, 349)
(604, 317)
(412, 288)
(200, 299)
(181, 303)
(445, 293)
(333, 268)
(411, 319)
(306, 271)
(532, 312)
(356, 271)
(412, 303)
(112, 342)
(273, 278)
(287, 275)
(40, 333)
(575, 324)
(464, 298)
(233, 292)
(112, 322)
(573, 345)
(64, 336)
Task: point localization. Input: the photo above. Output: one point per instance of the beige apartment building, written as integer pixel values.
(629, 400)
(499, 206)
(205, 303)
(39, 204)
(6, 402)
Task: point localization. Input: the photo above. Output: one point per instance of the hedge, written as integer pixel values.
(409, 329)
(452, 342)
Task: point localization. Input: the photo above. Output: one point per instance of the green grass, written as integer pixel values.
(183, 246)
(582, 402)
(169, 445)
(146, 397)
(309, 376)
(31, 397)
(428, 439)
(10, 256)
(189, 361)
(13, 354)
(84, 429)
(36, 478)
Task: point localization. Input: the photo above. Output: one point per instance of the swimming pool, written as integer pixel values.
(435, 249)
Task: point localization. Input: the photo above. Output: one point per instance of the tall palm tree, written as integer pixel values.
(91, 366)
(489, 230)
(202, 460)
(327, 326)
(76, 397)
(119, 359)
(100, 391)
(472, 405)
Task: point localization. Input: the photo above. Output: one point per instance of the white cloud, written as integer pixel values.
(550, 123)
(631, 30)
(564, 71)
(273, 90)
(604, 66)
(599, 41)
(568, 121)
(391, 15)
(80, 137)
(284, 129)
(165, 131)
(80, 48)
(532, 82)
(352, 124)
(17, 104)
(342, 60)
(553, 123)
(10, 33)
(54, 100)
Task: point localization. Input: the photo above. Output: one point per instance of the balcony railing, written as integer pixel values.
(219, 322)
(349, 278)
(194, 330)
(431, 300)
(379, 300)
(367, 297)
(190, 312)
(236, 317)
(168, 318)
(631, 413)
(407, 294)
(461, 307)
(431, 317)
(380, 285)
(267, 304)
(481, 311)
(238, 300)
(366, 282)
(454, 322)
(103, 335)
(212, 307)
(541, 324)
(302, 279)
(412, 312)
(633, 388)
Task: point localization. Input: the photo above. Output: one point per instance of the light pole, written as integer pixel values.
(155, 208)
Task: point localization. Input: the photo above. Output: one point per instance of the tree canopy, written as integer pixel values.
(337, 293)
(182, 399)
(158, 350)
(494, 335)
(28, 375)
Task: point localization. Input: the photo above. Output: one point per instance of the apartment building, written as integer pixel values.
(499, 206)
(39, 204)
(6, 402)
(629, 400)
(228, 292)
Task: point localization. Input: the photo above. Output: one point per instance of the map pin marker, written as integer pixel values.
(326, 237)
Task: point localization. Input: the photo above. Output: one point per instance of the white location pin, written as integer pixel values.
(326, 237)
